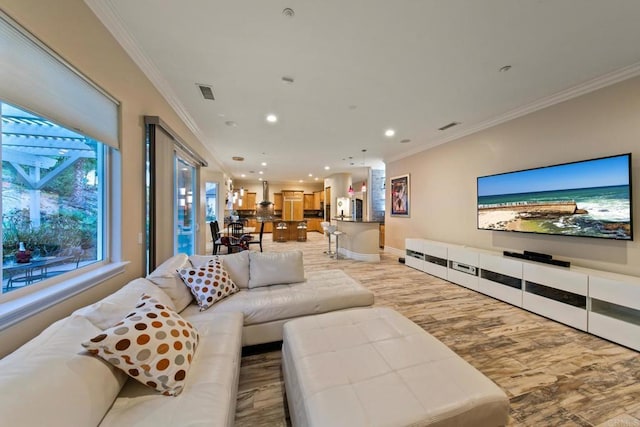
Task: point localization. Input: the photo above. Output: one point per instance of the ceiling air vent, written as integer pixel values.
(207, 92)
(450, 125)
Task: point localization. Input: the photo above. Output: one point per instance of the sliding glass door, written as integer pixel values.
(184, 208)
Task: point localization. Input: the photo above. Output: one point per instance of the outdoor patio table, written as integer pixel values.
(25, 271)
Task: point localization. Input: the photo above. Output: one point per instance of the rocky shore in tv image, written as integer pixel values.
(592, 212)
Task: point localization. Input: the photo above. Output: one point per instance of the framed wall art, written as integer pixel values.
(400, 196)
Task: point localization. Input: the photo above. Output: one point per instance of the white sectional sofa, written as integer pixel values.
(53, 381)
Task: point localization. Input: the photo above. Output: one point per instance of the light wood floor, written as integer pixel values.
(554, 375)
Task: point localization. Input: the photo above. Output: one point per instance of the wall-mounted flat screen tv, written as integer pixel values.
(590, 198)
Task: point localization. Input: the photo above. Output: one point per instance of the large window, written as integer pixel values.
(59, 138)
(52, 199)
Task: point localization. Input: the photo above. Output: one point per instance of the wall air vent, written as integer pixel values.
(207, 91)
(450, 125)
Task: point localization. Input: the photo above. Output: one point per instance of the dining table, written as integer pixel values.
(245, 230)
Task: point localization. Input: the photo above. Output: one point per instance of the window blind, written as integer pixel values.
(35, 78)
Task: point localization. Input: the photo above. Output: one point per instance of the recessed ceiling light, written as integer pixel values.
(238, 158)
(317, 178)
(310, 174)
(264, 163)
(504, 69)
(272, 118)
(327, 168)
(243, 175)
(260, 179)
(288, 12)
(300, 180)
(287, 80)
(261, 172)
(404, 141)
(389, 132)
(231, 123)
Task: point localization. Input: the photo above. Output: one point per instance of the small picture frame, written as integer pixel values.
(400, 196)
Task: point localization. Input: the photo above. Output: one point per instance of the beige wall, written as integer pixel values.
(443, 179)
(71, 29)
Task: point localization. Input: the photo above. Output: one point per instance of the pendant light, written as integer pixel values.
(364, 183)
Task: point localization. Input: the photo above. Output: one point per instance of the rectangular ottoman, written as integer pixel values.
(374, 367)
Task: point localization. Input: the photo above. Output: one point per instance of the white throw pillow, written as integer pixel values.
(111, 309)
(209, 283)
(52, 381)
(152, 344)
(236, 264)
(167, 278)
(274, 268)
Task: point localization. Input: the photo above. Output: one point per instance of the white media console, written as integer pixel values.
(601, 303)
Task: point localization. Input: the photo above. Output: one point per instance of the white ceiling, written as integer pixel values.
(362, 66)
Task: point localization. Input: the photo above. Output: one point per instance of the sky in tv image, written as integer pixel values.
(611, 171)
(590, 198)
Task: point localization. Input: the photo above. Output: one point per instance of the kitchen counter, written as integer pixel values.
(360, 239)
(349, 219)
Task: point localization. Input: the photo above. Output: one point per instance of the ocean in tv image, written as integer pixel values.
(590, 198)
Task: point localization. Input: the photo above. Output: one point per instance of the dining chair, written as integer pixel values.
(215, 234)
(235, 229)
(235, 237)
(259, 241)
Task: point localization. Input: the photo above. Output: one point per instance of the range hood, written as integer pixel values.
(264, 209)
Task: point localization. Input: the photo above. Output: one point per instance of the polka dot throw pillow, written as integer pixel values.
(209, 283)
(153, 344)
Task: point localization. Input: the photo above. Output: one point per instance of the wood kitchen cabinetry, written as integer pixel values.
(248, 202)
(327, 196)
(277, 201)
(292, 205)
(318, 198)
(313, 224)
(308, 202)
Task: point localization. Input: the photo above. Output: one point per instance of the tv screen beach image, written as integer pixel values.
(590, 198)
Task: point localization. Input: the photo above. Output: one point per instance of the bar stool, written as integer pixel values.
(328, 230)
(302, 231)
(282, 231)
(338, 233)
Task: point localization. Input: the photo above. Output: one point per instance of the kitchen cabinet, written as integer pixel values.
(313, 224)
(308, 202)
(318, 197)
(277, 201)
(292, 205)
(248, 202)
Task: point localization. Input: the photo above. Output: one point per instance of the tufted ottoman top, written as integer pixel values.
(374, 367)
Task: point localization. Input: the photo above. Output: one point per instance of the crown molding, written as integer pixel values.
(107, 14)
(588, 86)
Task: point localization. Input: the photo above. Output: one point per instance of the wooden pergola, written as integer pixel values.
(39, 150)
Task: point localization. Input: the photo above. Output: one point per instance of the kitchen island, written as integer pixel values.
(360, 240)
(290, 233)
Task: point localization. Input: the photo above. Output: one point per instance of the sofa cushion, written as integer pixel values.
(209, 395)
(111, 309)
(52, 381)
(152, 344)
(271, 268)
(167, 278)
(322, 291)
(209, 283)
(236, 264)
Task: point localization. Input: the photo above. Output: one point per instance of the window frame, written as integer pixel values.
(21, 304)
